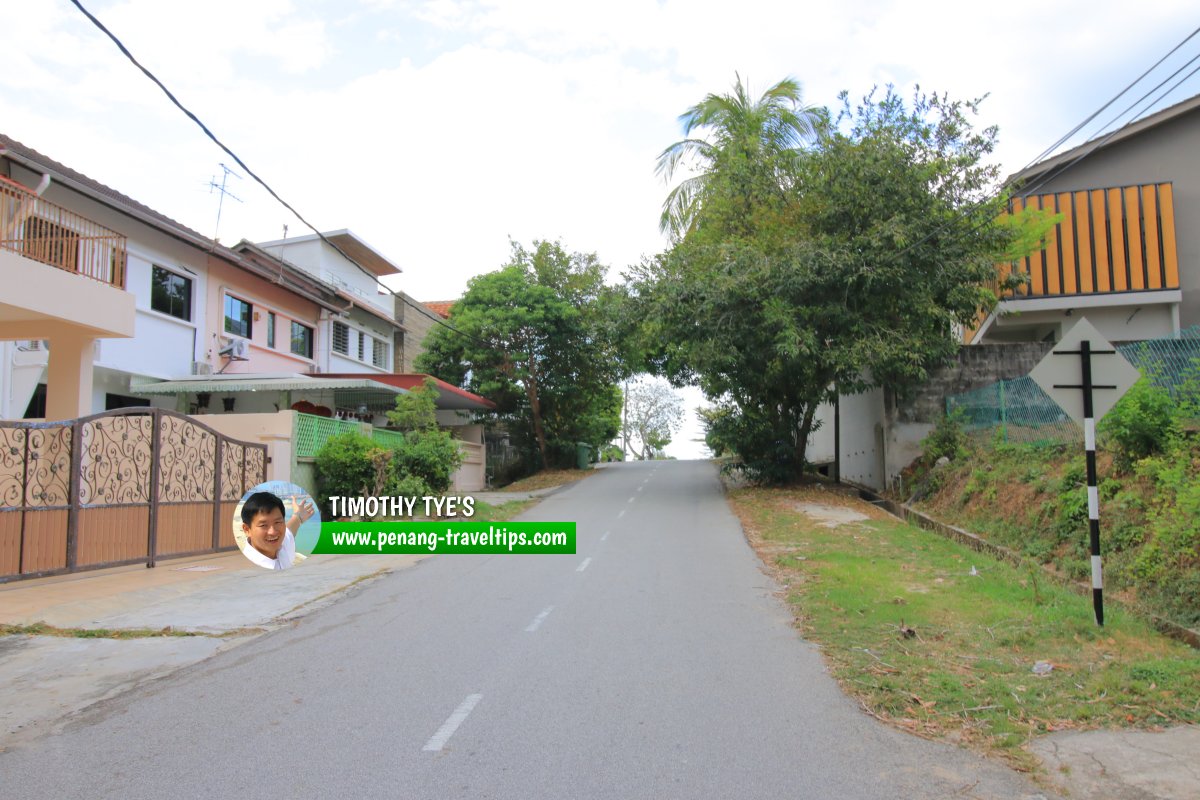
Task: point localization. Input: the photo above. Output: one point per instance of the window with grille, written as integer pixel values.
(379, 353)
(271, 329)
(362, 346)
(341, 338)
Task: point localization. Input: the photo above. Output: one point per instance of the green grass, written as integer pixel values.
(965, 671)
(503, 512)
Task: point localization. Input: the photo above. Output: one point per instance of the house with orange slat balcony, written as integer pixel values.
(1126, 251)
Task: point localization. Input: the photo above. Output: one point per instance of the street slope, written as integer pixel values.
(655, 663)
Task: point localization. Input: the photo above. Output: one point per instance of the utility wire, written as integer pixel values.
(1114, 99)
(982, 204)
(415, 306)
(1098, 143)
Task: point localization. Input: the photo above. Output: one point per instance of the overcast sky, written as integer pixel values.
(438, 129)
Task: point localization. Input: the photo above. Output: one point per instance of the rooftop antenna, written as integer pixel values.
(282, 245)
(212, 186)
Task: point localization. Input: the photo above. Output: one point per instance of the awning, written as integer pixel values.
(346, 392)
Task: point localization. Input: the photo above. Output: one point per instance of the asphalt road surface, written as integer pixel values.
(655, 663)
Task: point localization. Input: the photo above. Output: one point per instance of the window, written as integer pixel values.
(379, 354)
(271, 329)
(302, 340)
(237, 317)
(171, 294)
(341, 338)
(112, 401)
(362, 346)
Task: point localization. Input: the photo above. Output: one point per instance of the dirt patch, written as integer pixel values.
(828, 516)
(1123, 764)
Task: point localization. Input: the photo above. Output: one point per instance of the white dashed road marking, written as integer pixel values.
(439, 739)
(539, 619)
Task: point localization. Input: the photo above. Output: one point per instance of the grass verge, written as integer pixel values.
(501, 512)
(42, 629)
(548, 478)
(943, 641)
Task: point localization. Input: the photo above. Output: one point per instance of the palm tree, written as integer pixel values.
(764, 134)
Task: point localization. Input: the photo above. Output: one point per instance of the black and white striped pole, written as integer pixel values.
(1093, 491)
(1085, 353)
(1118, 375)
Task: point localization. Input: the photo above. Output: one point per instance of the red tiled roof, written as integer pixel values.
(440, 307)
(461, 398)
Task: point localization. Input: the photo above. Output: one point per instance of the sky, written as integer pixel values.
(439, 130)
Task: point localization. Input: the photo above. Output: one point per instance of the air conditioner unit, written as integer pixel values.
(201, 368)
(237, 350)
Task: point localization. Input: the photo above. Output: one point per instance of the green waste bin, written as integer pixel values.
(583, 455)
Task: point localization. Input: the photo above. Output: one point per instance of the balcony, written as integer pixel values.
(50, 234)
(1112, 248)
(1120, 239)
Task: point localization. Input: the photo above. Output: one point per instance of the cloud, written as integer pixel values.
(436, 129)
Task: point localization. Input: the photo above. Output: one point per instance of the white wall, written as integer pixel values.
(1117, 324)
(821, 445)
(863, 442)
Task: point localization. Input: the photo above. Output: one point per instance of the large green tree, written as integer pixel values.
(851, 269)
(533, 337)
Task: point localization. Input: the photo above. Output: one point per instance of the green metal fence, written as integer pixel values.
(388, 439)
(1019, 411)
(312, 432)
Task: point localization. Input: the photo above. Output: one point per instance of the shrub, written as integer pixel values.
(1140, 424)
(947, 439)
(430, 457)
(347, 465)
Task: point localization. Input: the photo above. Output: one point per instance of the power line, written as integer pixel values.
(982, 204)
(1101, 142)
(1114, 99)
(404, 297)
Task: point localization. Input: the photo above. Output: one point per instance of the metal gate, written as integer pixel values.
(124, 487)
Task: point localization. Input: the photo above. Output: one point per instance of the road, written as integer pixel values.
(655, 663)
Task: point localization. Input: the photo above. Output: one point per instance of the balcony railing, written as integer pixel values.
(1120, 239)
(42, 231)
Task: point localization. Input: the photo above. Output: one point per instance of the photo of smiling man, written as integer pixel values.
(270, 541)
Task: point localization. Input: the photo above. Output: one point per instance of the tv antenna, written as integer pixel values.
(212, 186)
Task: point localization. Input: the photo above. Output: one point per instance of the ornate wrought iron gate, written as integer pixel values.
(123, 487)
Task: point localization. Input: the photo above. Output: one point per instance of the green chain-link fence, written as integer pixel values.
(1020, 412)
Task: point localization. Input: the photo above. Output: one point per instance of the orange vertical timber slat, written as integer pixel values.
(1083, 240)
(1116, 241)
(1066, 207)
(1153, 237)
(1170, 257)
(1096, 198)
(1052, 253)
(1015, 206)
(1133, 234)
(1037, 262)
